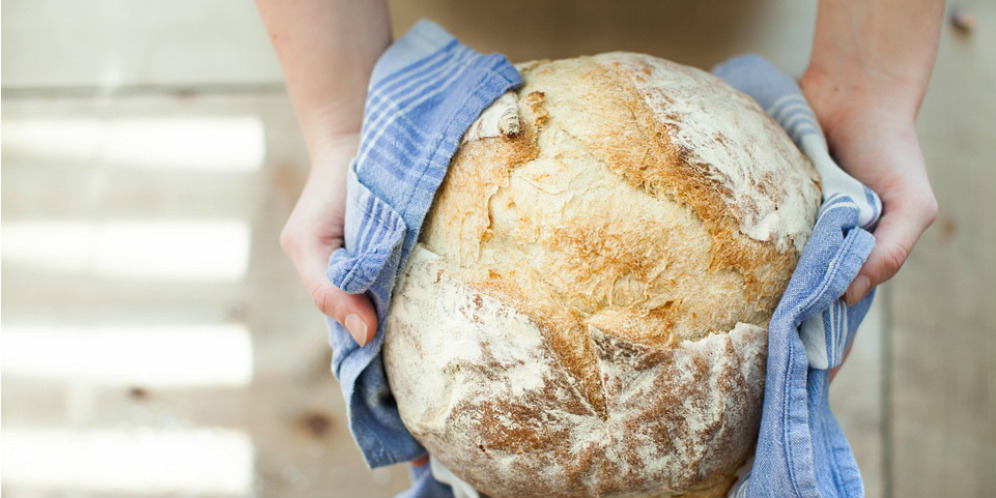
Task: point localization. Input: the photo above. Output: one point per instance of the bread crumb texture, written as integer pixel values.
(586, 312)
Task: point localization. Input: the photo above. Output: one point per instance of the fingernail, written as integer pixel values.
(857, 290)
(357, 328)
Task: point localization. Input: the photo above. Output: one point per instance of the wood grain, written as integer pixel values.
(943, 335)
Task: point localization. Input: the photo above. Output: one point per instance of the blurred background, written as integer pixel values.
(155, 342)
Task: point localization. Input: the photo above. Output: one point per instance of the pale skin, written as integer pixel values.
(868, 71)
(327, 49)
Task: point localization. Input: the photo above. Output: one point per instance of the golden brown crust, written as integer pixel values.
(604, 124)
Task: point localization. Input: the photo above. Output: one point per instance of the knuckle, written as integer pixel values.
(930, 208)
(289, 241)
(324, 300)
(922, 204)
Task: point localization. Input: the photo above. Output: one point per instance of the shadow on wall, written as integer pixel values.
(526, 29)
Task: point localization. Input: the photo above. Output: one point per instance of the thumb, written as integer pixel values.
(355, 312)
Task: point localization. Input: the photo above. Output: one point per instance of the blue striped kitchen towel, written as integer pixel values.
(425, 92)
(801, 450)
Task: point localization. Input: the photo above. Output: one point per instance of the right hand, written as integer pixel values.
(875, 141)
(315, 229)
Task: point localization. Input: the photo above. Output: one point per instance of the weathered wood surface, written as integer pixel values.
(943, 304)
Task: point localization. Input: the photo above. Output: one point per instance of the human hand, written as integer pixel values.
(873, 138)
(315, 229)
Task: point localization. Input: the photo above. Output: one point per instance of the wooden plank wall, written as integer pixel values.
(942, 336)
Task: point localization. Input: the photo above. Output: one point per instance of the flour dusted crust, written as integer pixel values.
(485, 393)
(585, 314)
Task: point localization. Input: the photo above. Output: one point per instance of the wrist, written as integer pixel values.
(333, 148)
(846, 83)
(838, 97)
(330, 127)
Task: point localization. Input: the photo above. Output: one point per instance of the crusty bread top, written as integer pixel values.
(640, 197)
(768, 186)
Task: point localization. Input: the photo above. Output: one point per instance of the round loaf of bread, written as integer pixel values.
(586, 312)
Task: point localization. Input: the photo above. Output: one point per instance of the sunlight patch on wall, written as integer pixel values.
(144, 355)
(174, 462)
(169, 250)
(208, 143)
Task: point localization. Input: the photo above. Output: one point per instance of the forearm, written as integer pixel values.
(882, 49)
(327, 49)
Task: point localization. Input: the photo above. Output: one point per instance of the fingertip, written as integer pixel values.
(857, 290)
(359, 317)
(353, 311)
(357, 328)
